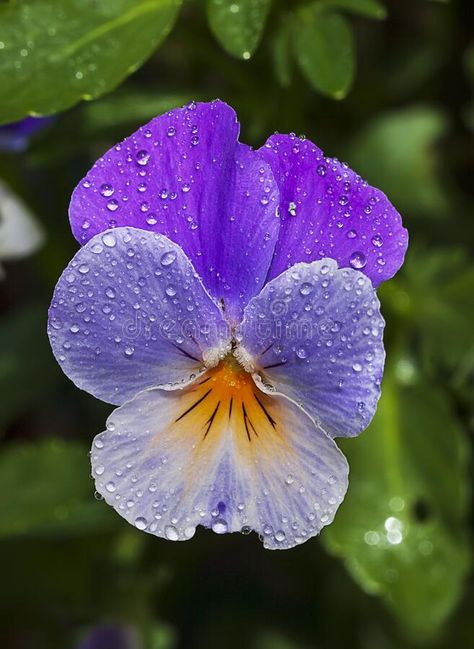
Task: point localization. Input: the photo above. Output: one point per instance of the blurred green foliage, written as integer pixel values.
(393, 571)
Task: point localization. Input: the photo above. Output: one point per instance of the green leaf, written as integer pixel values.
(367, 8)
(282, 51)
(469, 72)
(28, 372)
(45, 488)
(134, 108)
(432, 301)
(238, 24)
(402, 530)
(56, 52)
(324, 49)
(397, 153)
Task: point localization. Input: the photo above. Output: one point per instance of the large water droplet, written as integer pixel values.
(306, 288)
(106, 190)
(167, 258)
(109, 240)
(171, 533)
(357, 260)
(142, 157)
(219, 526)
(301, 352)
(141, 523)
(377, 241)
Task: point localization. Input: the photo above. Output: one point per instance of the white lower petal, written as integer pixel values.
(221, 454)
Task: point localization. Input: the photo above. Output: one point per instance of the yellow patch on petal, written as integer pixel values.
(225, 406)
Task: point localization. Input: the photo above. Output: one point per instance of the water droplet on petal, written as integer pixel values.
(106, 190)
(109, 240)
(171, 533)
(357, 260)
(141, 523)
(301, 352)
(306, 288)
(219, 526)
(377, 241)
(168, 258)
(142, 157)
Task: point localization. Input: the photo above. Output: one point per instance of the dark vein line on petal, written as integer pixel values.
(211, 419)
(194, 405)
(268, 367)
(267, 414)
(248, 421)
(185, 353)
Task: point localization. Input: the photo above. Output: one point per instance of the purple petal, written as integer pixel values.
(315, 333)
(129, 312)
(227, 457)
(110, 637)
(329, 211)
(185, 175)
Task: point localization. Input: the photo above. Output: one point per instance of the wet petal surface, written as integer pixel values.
(315, 333)
(130, 312)
(221, 454)
(185, 175)
(327, 210)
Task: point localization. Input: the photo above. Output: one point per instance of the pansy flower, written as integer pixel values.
(224, 298)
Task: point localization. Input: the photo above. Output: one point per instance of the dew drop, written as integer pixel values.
(377, 241)
(171, 533)
(306, 288)
(357, 260)
(141, 523)
(219, 526)
(106, 190)
(142, 157)
(167, 258)
(301, 352)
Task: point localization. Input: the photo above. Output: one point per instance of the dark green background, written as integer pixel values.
(67, 563)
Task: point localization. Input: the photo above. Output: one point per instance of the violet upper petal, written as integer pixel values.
(327, 210)
(315, 333)
(130, 312)
(185, 175)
